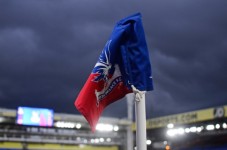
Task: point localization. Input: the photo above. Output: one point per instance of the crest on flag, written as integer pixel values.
(104, 72)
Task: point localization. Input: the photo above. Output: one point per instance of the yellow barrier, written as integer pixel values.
(11, 145)
(17, 145)
(69, 147)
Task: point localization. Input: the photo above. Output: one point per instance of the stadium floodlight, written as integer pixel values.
(217, 126)
(180, 131)
(78, 138)
(96, 140)
(62, 124)
(104, 127)
(85, 140)
(2, 119)
(171, 132)
(101, 139)
(170, 125)
(148, 142)
(108, 140)
(199, 129)
(210, 127)
(116, 128)
(187, 130)
(78, 125)
(92, 140)
(193, 129)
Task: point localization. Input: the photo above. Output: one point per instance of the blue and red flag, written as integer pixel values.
(124, 62)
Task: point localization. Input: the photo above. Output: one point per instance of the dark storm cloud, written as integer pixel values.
(189, 47)
(48, 49)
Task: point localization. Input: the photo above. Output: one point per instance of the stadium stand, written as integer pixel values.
(204, 129)
(69, 132)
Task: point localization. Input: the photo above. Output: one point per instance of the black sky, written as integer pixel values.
(48, 49)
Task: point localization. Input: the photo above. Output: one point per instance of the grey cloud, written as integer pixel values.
(48, 49)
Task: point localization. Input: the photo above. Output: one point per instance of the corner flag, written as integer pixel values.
(124, 61)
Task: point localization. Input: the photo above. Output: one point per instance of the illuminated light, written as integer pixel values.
(217, 126)
(92, 140)
(167, 147)
(78, 125)
(116, 128)
(70, 125)
(171, 132)
(199, 129)
(85, 140)
(180, 131)
(165, 142)
(170, 125)
(148, 142)
(224, 125)
(108, 139)
(186, 130)
(61, 124)
(96, 140)
(101, 139)
(2, 119)
(210, 127)
(78, 138)
(109, 127)
(104, 127)
(193, 129)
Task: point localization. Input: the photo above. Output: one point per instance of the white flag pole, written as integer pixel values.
(140, 112)
(130, 99)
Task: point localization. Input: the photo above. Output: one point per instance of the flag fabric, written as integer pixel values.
(123, 62)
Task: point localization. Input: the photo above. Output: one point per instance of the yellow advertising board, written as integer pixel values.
(188, 117)
(45, 146)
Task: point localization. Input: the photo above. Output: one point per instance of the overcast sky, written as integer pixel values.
(48, 48)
